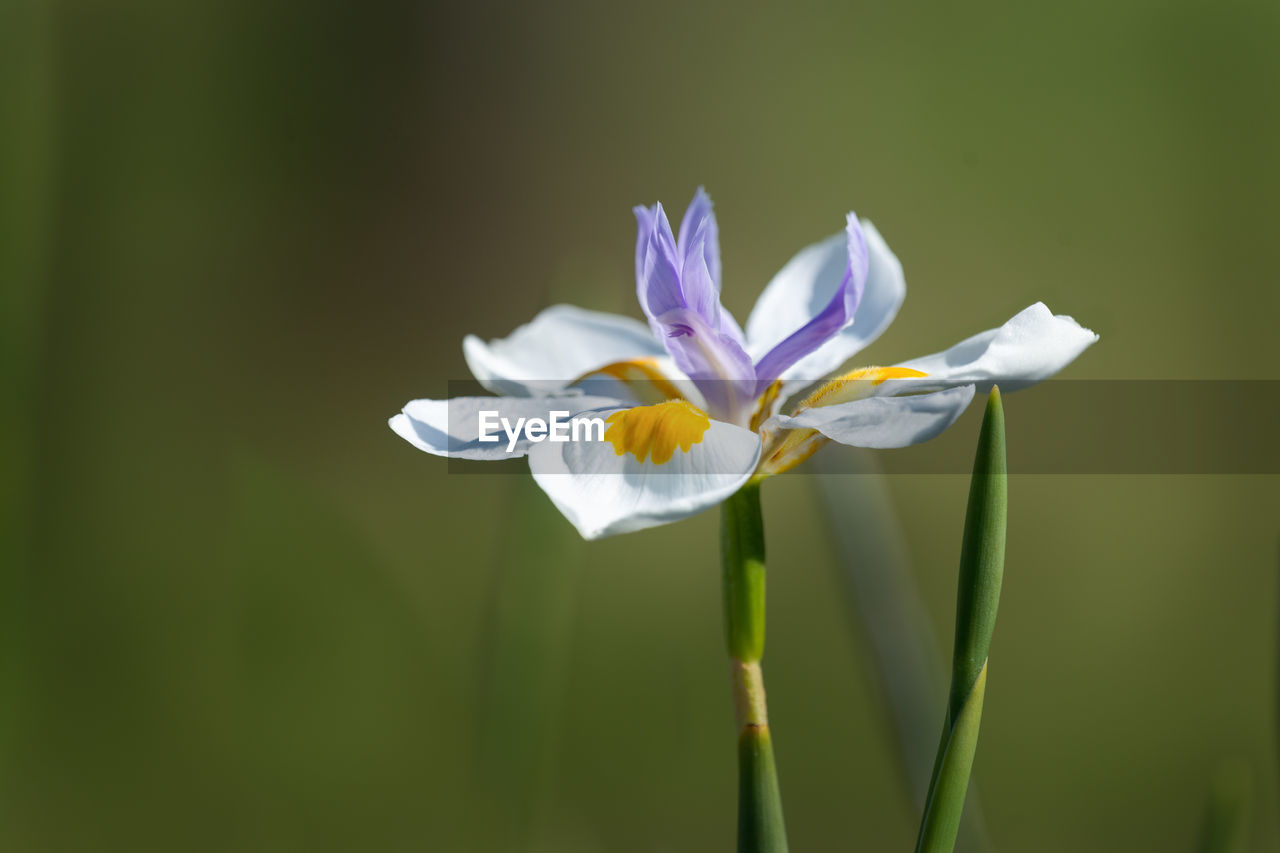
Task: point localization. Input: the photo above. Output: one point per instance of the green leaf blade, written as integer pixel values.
(760, 824)
(981, 554)
(977, 600)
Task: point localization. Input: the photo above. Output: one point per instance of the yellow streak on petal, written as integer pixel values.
(796, 446)
(856, 384)
(764, 406)
(656, 431)
(642, 376)
(787, 449)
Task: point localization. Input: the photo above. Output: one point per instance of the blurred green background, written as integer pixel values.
(237, 613)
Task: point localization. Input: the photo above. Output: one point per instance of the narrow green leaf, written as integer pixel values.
(1229, 811)
(981, 555)
(977, 599)
(760, 824)
(525, 664)
(28, 111)
(942, 815)
(891, 616)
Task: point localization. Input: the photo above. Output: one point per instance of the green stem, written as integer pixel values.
(977, 598)
(742, 552)
(760, 823)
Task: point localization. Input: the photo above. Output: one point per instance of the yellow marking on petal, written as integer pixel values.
(656, 431)
(856, 384)
(787, 449)
(764, 406)
(642, 376)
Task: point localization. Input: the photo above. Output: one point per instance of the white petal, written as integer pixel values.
(884, 422)
(452, 427)
(799, 291)
(559, 345)
(804, 286)
(1032, 346)
(602, 493)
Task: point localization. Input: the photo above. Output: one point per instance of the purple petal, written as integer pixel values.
(678, 283)
(644, 227)
(657, 263)
(837, 313)
(682, 273)
(699, 247)
(699, 289)
(715, 361)
(700, 217)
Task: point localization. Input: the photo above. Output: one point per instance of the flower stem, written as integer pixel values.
(760, 824)
(977, 598)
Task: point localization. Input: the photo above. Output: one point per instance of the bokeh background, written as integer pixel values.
(236, 613)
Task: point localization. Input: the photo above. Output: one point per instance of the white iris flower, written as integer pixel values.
(695, 406)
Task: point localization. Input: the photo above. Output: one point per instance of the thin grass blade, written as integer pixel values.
(889, 612)
(977, 600)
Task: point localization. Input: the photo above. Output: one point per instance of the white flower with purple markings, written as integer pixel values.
(695, 405)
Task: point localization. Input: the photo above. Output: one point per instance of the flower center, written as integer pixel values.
(656, 431)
